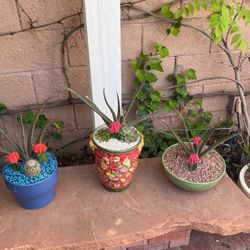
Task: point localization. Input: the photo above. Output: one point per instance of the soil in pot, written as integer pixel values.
(115, 144)
(209, 168)
(19, 178)
(247, 178)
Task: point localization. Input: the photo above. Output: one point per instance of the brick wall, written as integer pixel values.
(31, 62)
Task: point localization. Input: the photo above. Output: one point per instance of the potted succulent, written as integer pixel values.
(30, 171)
(116, 144)
(244, 176)
(192, 165)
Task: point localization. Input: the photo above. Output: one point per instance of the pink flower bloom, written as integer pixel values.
(12, 158)
(196, 141)
(114, 127)
(39, 148)
(193, 159)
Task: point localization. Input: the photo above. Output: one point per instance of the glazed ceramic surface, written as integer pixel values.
(116, 169)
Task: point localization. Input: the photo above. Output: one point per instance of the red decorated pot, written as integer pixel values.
(116, 168)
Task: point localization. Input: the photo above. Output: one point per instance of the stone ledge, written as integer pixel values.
(85, 216)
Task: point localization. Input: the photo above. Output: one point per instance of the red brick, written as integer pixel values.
(137, 243)
(158, 240)
(115, 248)
(156, 247)
(180, 238)
(136, 248)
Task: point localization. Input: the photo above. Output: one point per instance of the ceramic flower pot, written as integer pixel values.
(242, 183)
(116, 168)
(37, 194)
(189, 185)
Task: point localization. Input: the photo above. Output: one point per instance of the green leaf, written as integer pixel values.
(28, 117)
(171, 78)
(140, 96)
(162, 50)
(235, 29)
(15, 167)
(197, 4)
(174, 31)
(191, 74)
(173, 103)
(43, 157)
(135, 65)
(204, 4)
(141, 107)
(224, 10)
(166, 108)
(140, 75)
(154, 106)
(235, 38)
(59, 124)
(170, 105)
(244, 45)
(156, 64)
(42, 121)
(182, 90)
(208, 116)
(57, 135)
(3, 108)
(150, 77)
(191, 8)
(186, 12)
(155, 96)
(180, 79)
(165, 11)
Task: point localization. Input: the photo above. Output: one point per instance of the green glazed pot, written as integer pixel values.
(189, 185)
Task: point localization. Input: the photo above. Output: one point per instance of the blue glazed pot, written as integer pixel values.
(35, 195)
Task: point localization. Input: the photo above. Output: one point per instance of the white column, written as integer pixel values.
(102, 22)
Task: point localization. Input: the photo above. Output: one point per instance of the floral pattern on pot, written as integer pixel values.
(116, 170)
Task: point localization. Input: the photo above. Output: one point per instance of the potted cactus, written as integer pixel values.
(191, 164)
(30, 171)
(116, 144)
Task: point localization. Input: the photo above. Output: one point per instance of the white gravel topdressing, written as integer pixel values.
(116, 145)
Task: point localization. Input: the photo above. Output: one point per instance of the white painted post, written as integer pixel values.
(102, 19)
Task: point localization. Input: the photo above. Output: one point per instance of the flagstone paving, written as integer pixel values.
(86, 216)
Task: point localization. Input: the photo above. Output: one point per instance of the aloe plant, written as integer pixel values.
(197, 147)
(118, 127)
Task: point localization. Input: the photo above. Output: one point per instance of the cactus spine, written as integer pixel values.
(32, 168)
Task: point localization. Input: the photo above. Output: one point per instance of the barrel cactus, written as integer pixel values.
(32, 167)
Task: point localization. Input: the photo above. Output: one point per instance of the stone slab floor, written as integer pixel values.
(205, 241)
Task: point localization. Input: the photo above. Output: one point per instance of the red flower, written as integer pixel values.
(196, 141)
(39, 148)
(114, 127)
(193, 159)
(12, 158)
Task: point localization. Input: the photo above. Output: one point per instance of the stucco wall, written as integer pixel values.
(31, 64)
